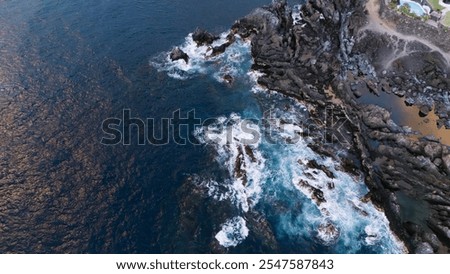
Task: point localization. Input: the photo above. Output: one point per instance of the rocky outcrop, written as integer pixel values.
(178, 54)
(202, 37)
(317, 61)
(221, 49)
(327, 59)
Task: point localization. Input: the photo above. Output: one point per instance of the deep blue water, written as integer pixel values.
(66, 66)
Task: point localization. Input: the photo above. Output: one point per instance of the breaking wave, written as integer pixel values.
(234, 62)
(303, 194)
(233, 232)
(335, 211)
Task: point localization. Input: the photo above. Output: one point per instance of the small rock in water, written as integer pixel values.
(400, 93)
(424, 111)
(328, 234)
(228, 79)
(373, 87)
(202, 37)
(178, 54)
(357, 93)
(331, 185)
(447, 124)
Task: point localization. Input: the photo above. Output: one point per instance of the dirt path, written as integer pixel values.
(379, 25)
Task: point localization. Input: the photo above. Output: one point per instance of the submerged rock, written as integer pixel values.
(316, 194)
(228, 79)
(328, 234)
(313, 164)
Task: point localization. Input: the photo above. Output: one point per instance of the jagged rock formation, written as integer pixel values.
(202, 37)
(337, 51)
(178, 54)
(317, 61)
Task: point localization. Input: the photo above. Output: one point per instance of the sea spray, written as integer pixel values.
(304, 194)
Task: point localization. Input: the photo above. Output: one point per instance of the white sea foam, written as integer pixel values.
(235, 61)
(328, 233)
(233, 232)
(254, 76)
(236, 141)
(340, 219)
(217, 191)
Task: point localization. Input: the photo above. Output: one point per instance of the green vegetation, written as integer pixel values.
(435, 5)
(406, 10)
(446, 20)
(393, 4)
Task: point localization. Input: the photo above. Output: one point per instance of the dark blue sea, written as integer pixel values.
(67, 66)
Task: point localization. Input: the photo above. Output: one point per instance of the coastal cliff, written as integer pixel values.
(329, 54)
(335, 53)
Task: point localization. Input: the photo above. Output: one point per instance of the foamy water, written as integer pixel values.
(273, 171)
(233, 232)
(201, 62)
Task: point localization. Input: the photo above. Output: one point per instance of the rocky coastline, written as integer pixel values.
(336, 52)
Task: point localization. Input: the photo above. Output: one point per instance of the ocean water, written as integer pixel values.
(68, 66)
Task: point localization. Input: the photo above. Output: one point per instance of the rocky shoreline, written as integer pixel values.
(332, 55)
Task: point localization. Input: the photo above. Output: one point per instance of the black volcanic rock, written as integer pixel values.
(424, 110)
(228, 79)
(202, 37)
(424, 248)
(178, 54)
(326, 50)
(221, 49)
(326, 60)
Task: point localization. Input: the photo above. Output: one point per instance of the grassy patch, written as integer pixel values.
(446, 20)
(435, 5)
